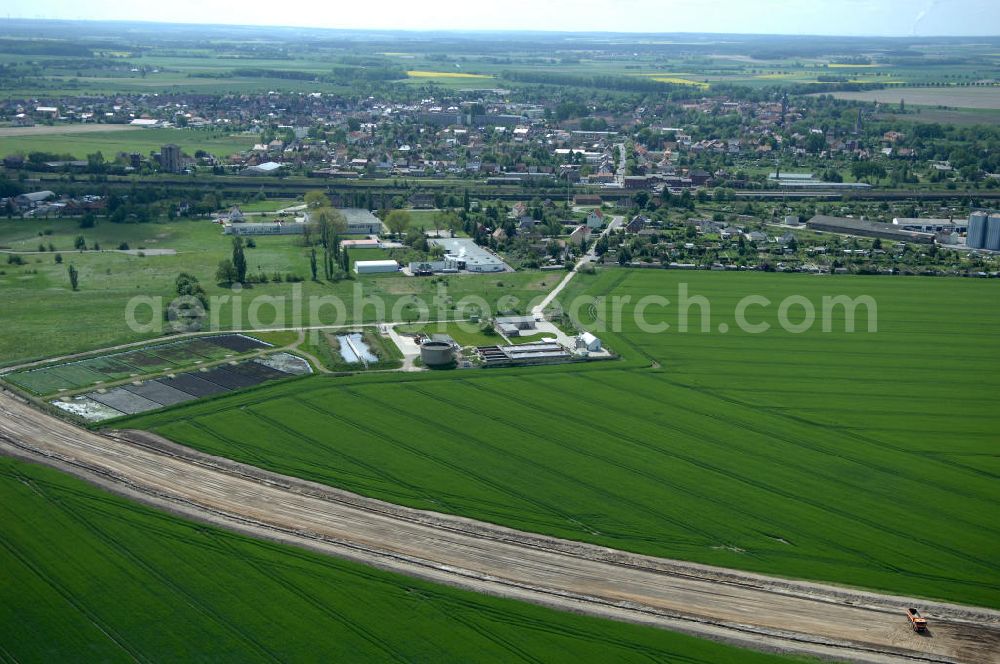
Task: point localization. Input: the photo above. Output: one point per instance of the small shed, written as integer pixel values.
(589, 342)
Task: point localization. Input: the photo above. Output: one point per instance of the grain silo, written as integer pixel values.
(993, 232)
(977, 230)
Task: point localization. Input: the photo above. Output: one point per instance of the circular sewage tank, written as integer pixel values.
(437, 353)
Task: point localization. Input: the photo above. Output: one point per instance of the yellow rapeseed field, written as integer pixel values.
(443, 74)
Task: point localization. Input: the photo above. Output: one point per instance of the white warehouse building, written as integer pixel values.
(464, 254)
(375, 267)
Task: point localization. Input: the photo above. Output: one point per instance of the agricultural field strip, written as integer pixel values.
(368, 435)
(124, 367)
(162, 579)
(610, 433)
(461, 551)
(204, 581)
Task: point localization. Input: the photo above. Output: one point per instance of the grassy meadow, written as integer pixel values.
(110, 143)
(94, 316)
(93, 577)
(867, 458)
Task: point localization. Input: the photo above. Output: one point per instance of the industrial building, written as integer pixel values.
(275, 228)
(375, 267)
(170, 158)
(984, 230)
(865, 228)
(267, 168)
(437, 352)
(525, 354)
(810, 184)
(366, 243)
(463, 255)
(993, 233)
(512, 326)
(361, 222)
(931, 225)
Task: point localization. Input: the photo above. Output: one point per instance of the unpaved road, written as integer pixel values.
(591, 255)
(746, 609)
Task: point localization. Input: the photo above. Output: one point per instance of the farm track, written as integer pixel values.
(747, 609)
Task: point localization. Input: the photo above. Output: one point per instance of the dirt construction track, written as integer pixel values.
(746, 609)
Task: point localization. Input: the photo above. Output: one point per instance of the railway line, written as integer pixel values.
(751, 610)
(388, 187)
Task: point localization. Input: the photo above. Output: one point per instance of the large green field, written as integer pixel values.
(94, 316)
(868, 458)
(92, 577)
(110, 143)
(981, 98)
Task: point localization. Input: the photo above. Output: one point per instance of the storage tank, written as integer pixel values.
(993, 232)
(977, 230)
(437, 353)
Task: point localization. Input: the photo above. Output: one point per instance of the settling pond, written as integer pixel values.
(353, 349)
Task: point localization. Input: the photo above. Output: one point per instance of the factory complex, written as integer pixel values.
(460, 255)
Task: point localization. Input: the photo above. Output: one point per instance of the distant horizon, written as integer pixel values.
(522, 31)
(787, 18)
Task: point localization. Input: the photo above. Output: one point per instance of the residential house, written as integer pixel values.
(637, 224)
(595, 219)
(579, 235)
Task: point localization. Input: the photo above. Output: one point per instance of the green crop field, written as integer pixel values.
(92, 577)
(110, 143)
(867, 458)
(979, 98)
(94, 316)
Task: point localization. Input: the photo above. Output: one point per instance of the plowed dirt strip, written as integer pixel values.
(748, 609)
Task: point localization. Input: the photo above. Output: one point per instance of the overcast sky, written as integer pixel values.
(827, 17)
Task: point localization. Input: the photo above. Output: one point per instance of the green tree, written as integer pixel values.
(88, 220)
(312, 263)
(398, 221)
(226, 272)
(239, 260)
(867, 170)
(316, 200)
(454, 223)
(79, 243)
(329, 224)
(624, 255)
(74, 277)
(58, 258)
(185, 314)
(816, 143)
